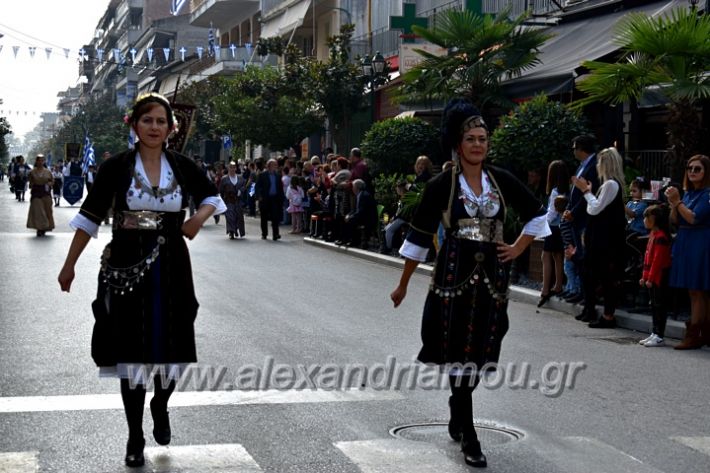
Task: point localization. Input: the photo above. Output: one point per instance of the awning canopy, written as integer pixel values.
(572, 44)
(286, 21)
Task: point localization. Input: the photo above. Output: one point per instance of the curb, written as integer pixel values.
(637, 322)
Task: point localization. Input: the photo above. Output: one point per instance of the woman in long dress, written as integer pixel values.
(145, 306)
(40, 216)
(465, 314)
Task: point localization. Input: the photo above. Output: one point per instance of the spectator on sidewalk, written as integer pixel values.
(552, 251)
(423, 169)
(691, 250)
(574, 219)
(362, 220)
(295, 196)
(656, 269)
(603, 238)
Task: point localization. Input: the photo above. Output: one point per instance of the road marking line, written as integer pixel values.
(584, 454)
(19, 462)
(701, 444)
(398, 455)
(216, 458)
(90, 402)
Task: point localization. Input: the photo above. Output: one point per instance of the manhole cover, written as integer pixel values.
(437, 433)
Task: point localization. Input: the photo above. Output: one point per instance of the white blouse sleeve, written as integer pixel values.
(607, 193)
(414, 252)
(79, 222)
(216, 202)
(551, 211)
(537, 227)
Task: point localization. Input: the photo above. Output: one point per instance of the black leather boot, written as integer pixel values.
(134, 453)
(471, 448)
(161, 424)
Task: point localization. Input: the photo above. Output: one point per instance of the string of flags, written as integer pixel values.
(19, 112)
(136, 56)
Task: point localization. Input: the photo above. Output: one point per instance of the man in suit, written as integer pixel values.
(270, 195)
(575, 216)
(364, 215)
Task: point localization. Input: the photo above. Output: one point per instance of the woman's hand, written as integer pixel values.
(509, 252)
(398, 295)
(582, 184)
(65, 278)
(673, 196)
(191, 227)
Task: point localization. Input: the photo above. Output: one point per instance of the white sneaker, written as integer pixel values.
(655, 341)
(650, 337)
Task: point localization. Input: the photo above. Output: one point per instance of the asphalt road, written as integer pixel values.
(617, 407)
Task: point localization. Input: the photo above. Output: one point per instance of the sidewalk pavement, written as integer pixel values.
(638, 322)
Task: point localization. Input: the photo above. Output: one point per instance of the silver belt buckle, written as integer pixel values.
(140, 220)
(477, 229)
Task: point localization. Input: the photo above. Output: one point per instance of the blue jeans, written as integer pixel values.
(574, 281)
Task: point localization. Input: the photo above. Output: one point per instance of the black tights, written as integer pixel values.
(134, 402)
(462, 402)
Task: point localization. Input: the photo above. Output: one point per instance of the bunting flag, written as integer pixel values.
(66, 52)
(89, 158)
(182, 53)
(116, 54)
(217, 52)
(15, 49)
(166, 52)
(133, 52)
(248, 46)
(48, 51)
(233, 48)
(199, 50)
(82, 55)
(100, 54)
(149, 51)
(32, 49)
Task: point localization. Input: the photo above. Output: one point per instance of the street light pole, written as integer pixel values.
(372, 69)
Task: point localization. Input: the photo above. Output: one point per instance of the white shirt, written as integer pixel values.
(606, 195)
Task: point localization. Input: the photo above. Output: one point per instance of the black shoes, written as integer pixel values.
(603, 322)
(161, 424)
(472, 454)
(277, 237)
(134, 453)
(587, 316)
(574, 299)
(544, 298)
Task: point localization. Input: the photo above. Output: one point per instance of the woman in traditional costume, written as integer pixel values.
(145, 307)
(40, 216)
(465, 314)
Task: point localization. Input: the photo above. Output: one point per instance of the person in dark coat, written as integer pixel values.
(465, 315)
(574, 219)
(363, 216)
(145, 306)
(270, 195)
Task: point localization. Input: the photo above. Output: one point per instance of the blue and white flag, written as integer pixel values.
(89, 158)
(211, 41)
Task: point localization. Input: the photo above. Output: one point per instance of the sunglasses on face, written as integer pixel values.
(694, 169)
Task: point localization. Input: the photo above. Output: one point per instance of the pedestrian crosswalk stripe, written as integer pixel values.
(89, 402)
(579, 454)
(19, 462)
(216, 458)
(397, 455)
(701, 444)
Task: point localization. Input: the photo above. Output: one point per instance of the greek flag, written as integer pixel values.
(211, 41)
(89, 158)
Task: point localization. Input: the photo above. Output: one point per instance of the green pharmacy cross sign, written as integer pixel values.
(406, 22)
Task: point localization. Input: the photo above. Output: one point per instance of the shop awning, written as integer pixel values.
(573, 43)
(286, 21)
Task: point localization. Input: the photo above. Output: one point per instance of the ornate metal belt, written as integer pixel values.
(480, 229)
(138, 220)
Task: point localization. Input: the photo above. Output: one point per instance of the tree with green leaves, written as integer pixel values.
(534, 134)
(483, 50)
(102, 119)
(670, 53)
(336, 85)
(393, 145)
(5, 129)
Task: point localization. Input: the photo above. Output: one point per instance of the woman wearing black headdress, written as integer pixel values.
(465, 314)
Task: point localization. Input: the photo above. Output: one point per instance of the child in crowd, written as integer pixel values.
(635, 208)
(656, 268)
(294, 195)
